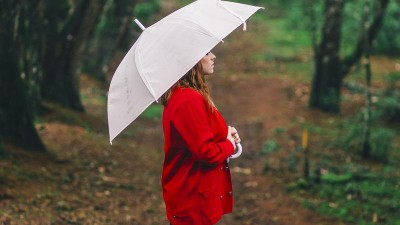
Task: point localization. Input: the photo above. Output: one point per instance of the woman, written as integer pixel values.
(196, 180)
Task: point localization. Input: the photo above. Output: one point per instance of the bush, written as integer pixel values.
(355, 200)
(388, 104)
(381, 139)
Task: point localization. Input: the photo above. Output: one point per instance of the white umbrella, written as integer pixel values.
(164, 53)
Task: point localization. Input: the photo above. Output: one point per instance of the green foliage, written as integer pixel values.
(279, 130)
(393, 80)
(153, 112)
(315, 129)
(386, 101)
(269, 147)
(333, 178)
(388, 104)
(146, 9)
(107, 38)
(351, 139)
(294, 159)
(355, 196)
(388, 40)
(351, 29)
(285, 42)
(299, 184)
(253, 2)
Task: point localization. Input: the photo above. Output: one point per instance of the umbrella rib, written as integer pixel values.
(233, 13)
(142, 75)
(200, 26)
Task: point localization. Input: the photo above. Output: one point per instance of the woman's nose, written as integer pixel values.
(213, 57)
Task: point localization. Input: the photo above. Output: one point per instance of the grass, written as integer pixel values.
(355, 190)
(359, 199)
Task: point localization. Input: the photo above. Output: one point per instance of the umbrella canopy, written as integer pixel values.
(164, 52)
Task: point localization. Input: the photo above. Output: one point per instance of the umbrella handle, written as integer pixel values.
(238, 153)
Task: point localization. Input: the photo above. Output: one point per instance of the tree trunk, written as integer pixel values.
(30, 33)
(325, 93)
(1, 149)
(16, 120)
(2, 153)
(366, 149)
(63, 49)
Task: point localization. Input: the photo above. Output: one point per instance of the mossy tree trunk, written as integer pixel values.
(65, 35)
(325, 93)
(16, 118)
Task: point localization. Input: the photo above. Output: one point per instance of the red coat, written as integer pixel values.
(196, 179)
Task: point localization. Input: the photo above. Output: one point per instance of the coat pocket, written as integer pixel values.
(210, 204)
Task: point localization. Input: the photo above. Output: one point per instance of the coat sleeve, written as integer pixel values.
(192, 123)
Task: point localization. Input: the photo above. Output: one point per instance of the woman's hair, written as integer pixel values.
(194, 79)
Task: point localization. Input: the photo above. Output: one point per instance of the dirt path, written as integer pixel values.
(256, 105)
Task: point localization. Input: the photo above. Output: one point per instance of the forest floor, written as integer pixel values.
(82, 179)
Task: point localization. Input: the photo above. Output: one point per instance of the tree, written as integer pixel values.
(368, 74)
(16, 119)
(329, 68)
(28, 41)
(325, 92)
(114, 25)
(63, 43)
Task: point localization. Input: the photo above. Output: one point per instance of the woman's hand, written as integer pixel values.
(233, 136)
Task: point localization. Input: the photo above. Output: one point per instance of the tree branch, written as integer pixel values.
(372, 32)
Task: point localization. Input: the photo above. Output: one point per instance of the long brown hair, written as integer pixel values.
(194, 79)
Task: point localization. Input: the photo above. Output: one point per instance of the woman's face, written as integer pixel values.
(207, 62)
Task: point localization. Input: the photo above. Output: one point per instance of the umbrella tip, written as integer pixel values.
(139, 24)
